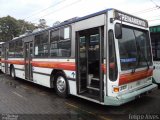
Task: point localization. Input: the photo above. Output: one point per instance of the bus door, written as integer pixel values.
(28, 51)
(6, 49)
(89, 60)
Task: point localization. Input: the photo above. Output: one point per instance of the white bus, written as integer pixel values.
(0, 53)
(104, 57)
(155, 40)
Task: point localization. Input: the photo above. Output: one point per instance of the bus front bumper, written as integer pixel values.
(119, 100)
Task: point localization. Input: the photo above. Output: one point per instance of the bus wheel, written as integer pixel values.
(61, 85)
(12, 72)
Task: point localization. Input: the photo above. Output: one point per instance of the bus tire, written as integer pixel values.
(61, 85)
(12, 72)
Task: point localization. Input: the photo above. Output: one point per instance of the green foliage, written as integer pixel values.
(10, 28)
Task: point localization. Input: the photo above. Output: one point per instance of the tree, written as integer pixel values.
(10, 28)
(24, 26)
(42, 23)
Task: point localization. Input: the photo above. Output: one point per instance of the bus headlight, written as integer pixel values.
(123, 87)
(149, 79)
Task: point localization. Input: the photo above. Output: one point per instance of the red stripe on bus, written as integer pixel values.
(132, 77)
(18, 62)
(55, 65)
(104, 68)
(47, 64)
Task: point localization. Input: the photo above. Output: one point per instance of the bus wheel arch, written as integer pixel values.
(59, 75)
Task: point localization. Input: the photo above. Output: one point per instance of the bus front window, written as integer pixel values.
(134, 48)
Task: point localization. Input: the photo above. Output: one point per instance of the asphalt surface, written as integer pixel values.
(20, 99)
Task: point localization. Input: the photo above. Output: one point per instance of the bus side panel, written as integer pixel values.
(71, 77)
(90, 23)
(42, 76)
(19, 71)
(2, 66)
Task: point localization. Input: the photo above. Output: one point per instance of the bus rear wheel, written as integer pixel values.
(61, 85)
(12, 73)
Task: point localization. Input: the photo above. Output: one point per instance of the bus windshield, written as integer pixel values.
(134, 48)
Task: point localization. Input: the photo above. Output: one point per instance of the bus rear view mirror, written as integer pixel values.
(118, 31)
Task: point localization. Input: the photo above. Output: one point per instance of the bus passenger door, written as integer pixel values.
(89, 60)
(28, 49)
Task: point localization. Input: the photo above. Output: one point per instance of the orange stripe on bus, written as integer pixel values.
(131, 77)
(45, 64)
(103, 67)
(49, 64)
(55, 65)
(18, 62)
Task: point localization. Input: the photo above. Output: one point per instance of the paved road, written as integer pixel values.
(32, 101)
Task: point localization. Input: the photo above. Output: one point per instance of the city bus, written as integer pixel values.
(103, 57)
(155, 40)
(0, 53)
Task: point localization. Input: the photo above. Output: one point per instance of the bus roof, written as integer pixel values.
(64, 23)
(69, 22)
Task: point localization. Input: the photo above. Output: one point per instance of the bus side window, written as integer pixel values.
(41, 45)
(18, 49)
(113, 71)
(60, 41)
(11, 50)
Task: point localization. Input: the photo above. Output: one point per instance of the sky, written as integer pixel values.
(61, 10)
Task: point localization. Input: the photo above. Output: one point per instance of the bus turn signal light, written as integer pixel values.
(116, 89)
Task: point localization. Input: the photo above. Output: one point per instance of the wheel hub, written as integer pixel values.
(61, 84)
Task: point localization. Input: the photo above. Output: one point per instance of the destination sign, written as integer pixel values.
(130, 19)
